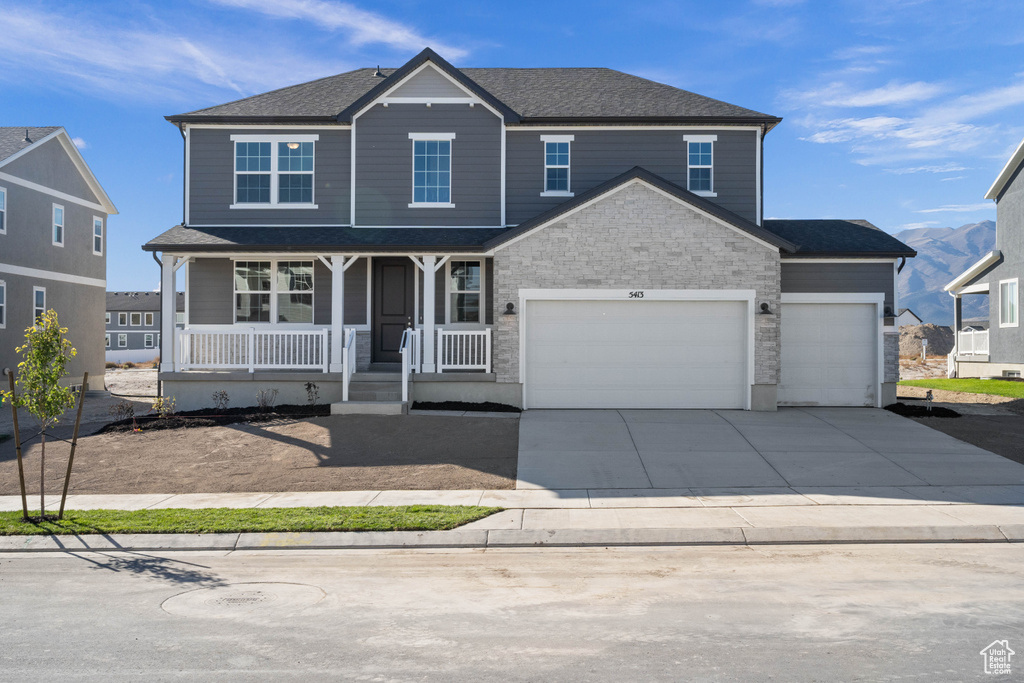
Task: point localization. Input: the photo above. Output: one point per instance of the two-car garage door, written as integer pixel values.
(636, 354)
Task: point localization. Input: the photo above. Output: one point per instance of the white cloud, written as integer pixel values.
(79, 143)
(838, 94)
(946, 180)
(939, 168)
(915, 226)
(961, 208)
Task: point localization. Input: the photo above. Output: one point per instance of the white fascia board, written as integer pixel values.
(52, 275)
(972, 272)
(272, 126)
(527, 128)
(471, 97)
(886, 259)
(980, 288)
(1007, 172)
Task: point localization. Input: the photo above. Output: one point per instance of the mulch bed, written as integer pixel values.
(214, 417)
(920, 411)
(486, 407)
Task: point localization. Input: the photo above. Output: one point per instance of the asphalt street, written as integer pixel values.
(795, 613)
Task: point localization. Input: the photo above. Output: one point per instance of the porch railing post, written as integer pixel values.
(488, 345)
(324, 351)
(251, 348)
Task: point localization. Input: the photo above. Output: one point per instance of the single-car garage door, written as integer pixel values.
(829, 355)
(636, 354)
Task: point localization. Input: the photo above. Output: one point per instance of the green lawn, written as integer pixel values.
(995, 387)
(231, 520)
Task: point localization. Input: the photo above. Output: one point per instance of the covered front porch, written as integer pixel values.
(291, 318)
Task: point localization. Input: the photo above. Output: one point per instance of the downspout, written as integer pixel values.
(159, 384)
(184, 170)
(903, 262)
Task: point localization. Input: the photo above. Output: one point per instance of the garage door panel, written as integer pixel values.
(642, 354)
(829, 354)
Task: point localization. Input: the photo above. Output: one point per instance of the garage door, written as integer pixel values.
(636, 354)
(829, 355)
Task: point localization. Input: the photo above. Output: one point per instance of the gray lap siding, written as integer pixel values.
(840, 278)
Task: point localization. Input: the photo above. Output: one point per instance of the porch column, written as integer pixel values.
(337, 312)
(168, 296)
(958, 321)
(428, 313)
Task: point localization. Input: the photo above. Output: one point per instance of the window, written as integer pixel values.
(97, 235)
(700, 163)
(464, 288)
(252, 291)
(1008, 303)
(274, 171)
(295, 292)
(136, 319)
(38, 302)
(556, 165)
(3, 211)
(3, 304)
(107, 319)
(106, 340)
(149, 320)
(179, 318)
(432, 170)
(122, 319)
(58, 225)
(148, 341)
(122, 341)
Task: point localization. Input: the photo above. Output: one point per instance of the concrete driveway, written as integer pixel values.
(794, 447)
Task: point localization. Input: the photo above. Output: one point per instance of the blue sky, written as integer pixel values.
(898, 111)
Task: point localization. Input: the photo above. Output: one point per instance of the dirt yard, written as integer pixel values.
(913, 368)
(337, 453)
(135, 382)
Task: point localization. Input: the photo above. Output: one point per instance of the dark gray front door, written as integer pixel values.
(392, 306)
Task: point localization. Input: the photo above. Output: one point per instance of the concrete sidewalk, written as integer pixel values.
(599, 518)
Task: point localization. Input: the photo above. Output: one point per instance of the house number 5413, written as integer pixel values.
(636, 295)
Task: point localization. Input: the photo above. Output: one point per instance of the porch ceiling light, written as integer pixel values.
(293, 145)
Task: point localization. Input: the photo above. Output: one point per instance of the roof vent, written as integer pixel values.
(27, 138)
(378, 73)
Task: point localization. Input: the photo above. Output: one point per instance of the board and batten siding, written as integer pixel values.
(839, 278)
(212, 179)
(599, 155)
(211, 292)
(384, 165)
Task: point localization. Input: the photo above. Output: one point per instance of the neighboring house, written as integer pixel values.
(997, 351)
(907, 317)
(53, 245)
(133, 325)
(573, 238)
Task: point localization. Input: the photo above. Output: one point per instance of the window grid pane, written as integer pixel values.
(465, 287)
(295, 188)
(556, 166)
(432, 171)
(700, 179)
(295, 292)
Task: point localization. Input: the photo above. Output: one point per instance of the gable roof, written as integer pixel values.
(656, 181)
(139, 301)
(833, 238)
(1006, 175)
(543, 95)
(13, 146)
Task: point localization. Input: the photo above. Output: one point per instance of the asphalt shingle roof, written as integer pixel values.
(139, 301)
(837, 238)
(12, 138)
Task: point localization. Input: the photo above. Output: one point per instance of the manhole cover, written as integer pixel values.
(241, 599)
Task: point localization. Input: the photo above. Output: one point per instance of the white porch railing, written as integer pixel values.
(251, 349)
(463, 350)
(972, 343)
(348, 362)
(410, 350)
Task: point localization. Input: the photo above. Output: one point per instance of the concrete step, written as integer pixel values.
(374, 395)
(375, 386)
(376, 376)
(369, 408)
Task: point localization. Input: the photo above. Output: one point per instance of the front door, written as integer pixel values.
(392, 306)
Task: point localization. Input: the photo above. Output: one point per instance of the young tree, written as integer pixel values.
(45, 355)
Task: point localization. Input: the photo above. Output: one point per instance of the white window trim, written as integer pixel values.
(3, 211)
(147, 319)
(448, 295)
(432, 137)
(1016, 310)
(122, 319)
(701, 138)
(273, 294)
(35, 290)
(100, 235)
(274, 172)
(544, 140)
(147, 340)
(106, 339)
(131, 320)
(54, 224)
(3, 305)
(122, 340)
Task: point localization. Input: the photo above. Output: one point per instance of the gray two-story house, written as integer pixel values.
(571, 238)
(133, 325)
(53, 245)
(997, 351)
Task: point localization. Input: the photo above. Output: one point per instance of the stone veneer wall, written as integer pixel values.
(891, 347)
(636, 238)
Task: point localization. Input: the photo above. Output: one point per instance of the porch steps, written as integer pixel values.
(369, 408)
(373, 393)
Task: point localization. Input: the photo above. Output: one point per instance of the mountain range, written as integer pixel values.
(942, 254)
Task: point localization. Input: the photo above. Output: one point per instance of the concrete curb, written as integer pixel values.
(507, 538)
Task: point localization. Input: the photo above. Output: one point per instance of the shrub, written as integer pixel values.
(164, 406)
(220, 399)
(122, 410)
(110, 364)
(265, 399)
(128, 365)
(312, 393)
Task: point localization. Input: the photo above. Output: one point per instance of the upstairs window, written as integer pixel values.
(556, 165)
(136, 319)
(432, 170)
(107, 318)
(3, 211)
(122, 319)
(274, 171)
(97, 235)
(700, 164)
(465, 291)
(1008, 304)
(149, 320)
(58, 225)
(38, 302)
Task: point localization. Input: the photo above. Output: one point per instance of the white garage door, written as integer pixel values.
(829, 355)
(636, 354)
